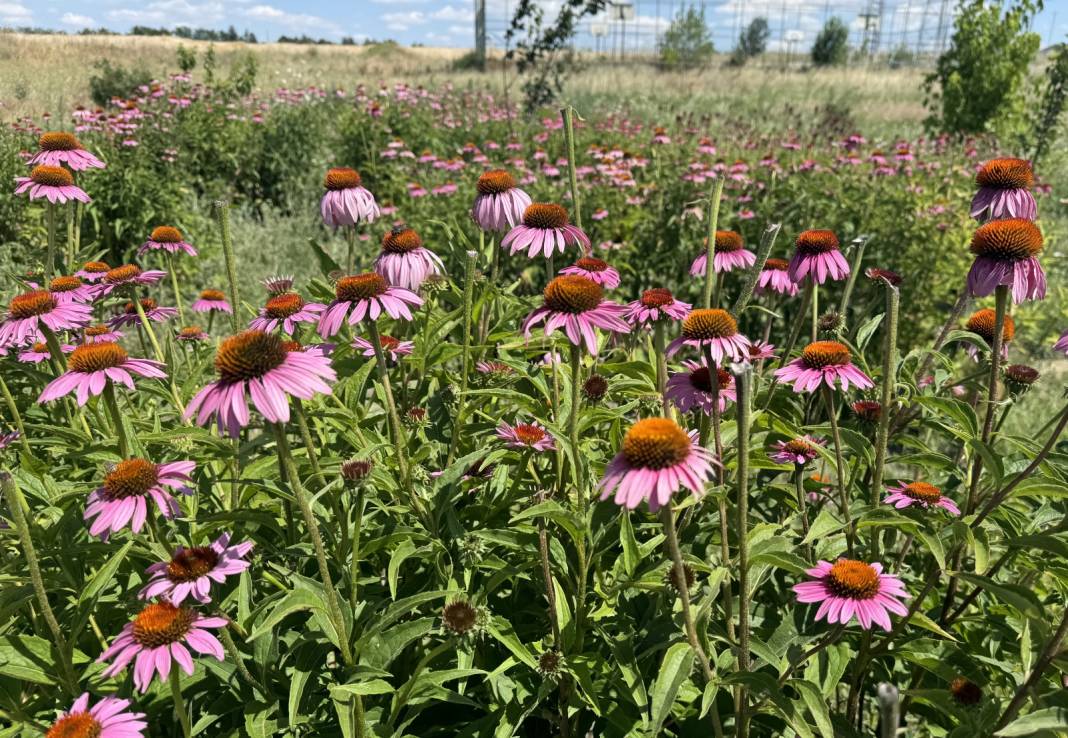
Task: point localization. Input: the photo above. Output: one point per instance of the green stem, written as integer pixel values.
(465, 356)
(354, 562)
(16, 416)
(667, 518)
(222, 214)
(660, 359)
(854, 270)
(815, 310)
(802, 506)
(742, 383)
(70, 211)
(235, 655)
(767, 242)
(50, 256)
(158, 352)
(179, 703)
(306, 511)
(17, 506)
(889, 379)
(350, 258)
(572, 424)
(569, 139)
(399, 439)
(710, 241)
(116, 419)
(174, 286)
(839, 463)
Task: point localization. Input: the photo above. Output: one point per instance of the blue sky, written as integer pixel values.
(450, 22)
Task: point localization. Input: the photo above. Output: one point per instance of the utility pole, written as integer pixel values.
(480, 34)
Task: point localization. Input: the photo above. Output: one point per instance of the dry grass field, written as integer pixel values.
(40, 73)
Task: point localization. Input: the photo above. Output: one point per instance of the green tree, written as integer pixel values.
(752, 42)
(978, 82)
(687, 43)
(832, 44)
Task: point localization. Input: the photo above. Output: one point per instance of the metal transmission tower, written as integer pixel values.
(480, 33)
(870, 39)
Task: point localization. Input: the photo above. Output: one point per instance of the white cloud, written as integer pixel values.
(170, 13)
(78, 21)
(404, 20)
(293, 21)
(14, 13)
(449, 13)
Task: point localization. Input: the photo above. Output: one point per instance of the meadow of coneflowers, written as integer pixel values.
(559, 427)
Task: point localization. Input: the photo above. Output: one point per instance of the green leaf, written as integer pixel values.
(816, 705)
(295, 601)
(824, 524)
(327, 265)
(1022, 599)
(918, 618)
(402, 552)
(103, 576)
(866, 331)
(1051, 718)
(628, 543)
(370, 686)
(27, 658)
(674, 671)
(502, 631)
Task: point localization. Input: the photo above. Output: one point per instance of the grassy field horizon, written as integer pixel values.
(50, 73)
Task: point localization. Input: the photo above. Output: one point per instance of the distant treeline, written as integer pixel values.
(193, 34)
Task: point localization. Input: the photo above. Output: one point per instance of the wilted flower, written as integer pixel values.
(545, 229)
(355, 471)
(157, 637)
(1004, 190)
(595, 388)
(499, 204)
(1006, 253)
(867, 410)
(459, 617)
(394, 348)
(849, 588)
(883, 275)
(60, 147)
(1019, 378)
(823, 362)
(346, 202)
(920, 493)
(965, 692)
(656, 459)
(816, 255)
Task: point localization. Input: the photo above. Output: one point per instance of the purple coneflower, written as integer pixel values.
(760, 350)
(93, 271)
(346, 202)
(595, 269)
(656, 459)
(39, 352)
(262, 366)
(730, 254)
(526, 437)
(692, 389)
(191, 571)
(108, 718)
(545, 229)
(211, 301)
(495, 368)
(60, 147)
(366, 295)
(6, 439)
(92, 366)
(404, 261)
(499, 205)
(1006, 253)
(166, 238)
(868, 411)
(394, 348)
(127, 275)
(287, 310)
(848, 587)
(1004, 190)
(796, 451)
(26, 313)
(920, 493)
(577, 306)
(816, 255)
(54, 184)
(124, 496)
(278, 285)
(1062, 343)
(774, 276)
(656, 304)
(983, 323)
(716, 330)
(159, 635)
(100, 334)
(71, 289)
(191, 334)
(823, 362)
(153, 311)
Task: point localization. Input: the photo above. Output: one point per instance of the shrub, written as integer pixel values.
(687, 42)
(832, 44)
(1048, 115)
(111, 81)
(752, 42)
(978, 80)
